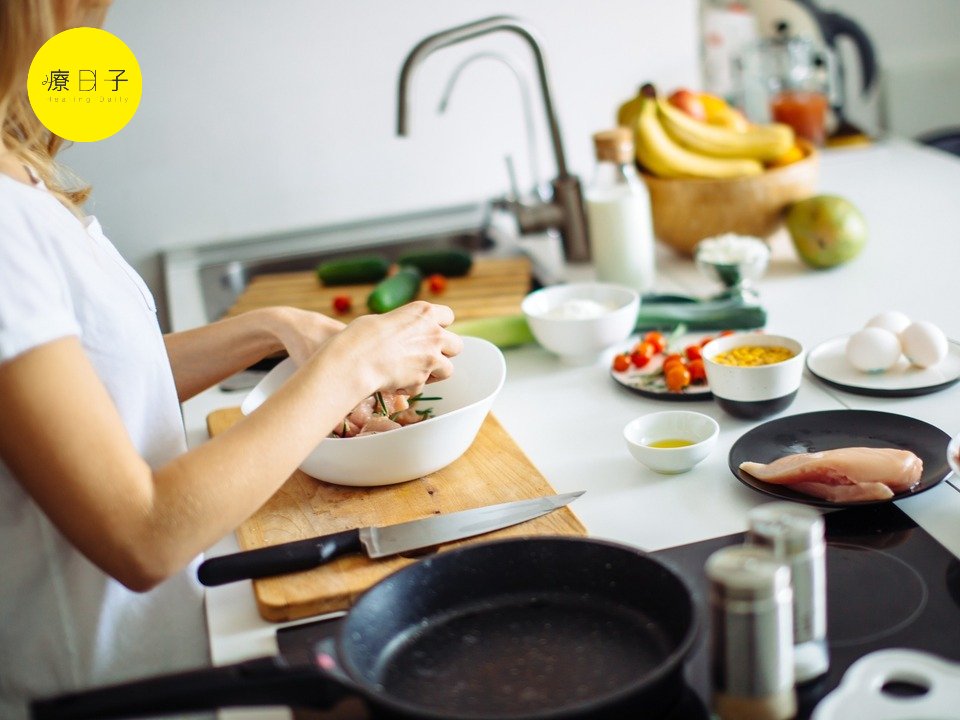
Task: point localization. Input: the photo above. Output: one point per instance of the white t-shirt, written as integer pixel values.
(64, 624)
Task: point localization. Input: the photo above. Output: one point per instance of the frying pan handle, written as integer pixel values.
(262, 681)
(279, 559)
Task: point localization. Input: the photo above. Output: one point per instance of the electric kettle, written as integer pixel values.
(802, 18)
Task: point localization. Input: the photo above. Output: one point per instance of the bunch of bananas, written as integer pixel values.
(672, 144)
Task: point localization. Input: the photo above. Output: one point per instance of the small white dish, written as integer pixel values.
(578, 321)
(644, 432)
(828, 363)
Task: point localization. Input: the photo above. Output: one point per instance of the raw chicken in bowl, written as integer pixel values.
(411, 451)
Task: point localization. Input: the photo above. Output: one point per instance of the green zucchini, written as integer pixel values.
(504, 332)
(451, 263)
(398, 289)
(353, 271)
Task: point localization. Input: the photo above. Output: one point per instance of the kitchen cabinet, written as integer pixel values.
(568, 420)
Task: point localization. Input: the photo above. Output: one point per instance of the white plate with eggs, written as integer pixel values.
(889, 357)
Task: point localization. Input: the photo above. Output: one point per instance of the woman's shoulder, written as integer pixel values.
(29, 214)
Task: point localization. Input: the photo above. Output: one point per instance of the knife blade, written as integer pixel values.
(375, 542)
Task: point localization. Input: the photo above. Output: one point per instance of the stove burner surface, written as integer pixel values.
(900, 597)
(889, 584)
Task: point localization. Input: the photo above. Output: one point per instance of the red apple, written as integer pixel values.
(689, 102)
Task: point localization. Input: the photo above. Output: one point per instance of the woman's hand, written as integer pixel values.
(400, 350)
(302, 332)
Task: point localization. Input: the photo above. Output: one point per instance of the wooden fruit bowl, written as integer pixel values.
(687, 210)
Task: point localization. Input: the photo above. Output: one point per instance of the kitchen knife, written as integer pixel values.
(376, 542)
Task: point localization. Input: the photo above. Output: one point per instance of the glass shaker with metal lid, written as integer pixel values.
(795, 534)
(751, 633)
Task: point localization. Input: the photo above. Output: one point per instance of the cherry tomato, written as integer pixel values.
(639, 359)
(693, 352)
(707, 339)
(698, 372)
(656, 339)
(726, 332)
(645, 348)
(621, 362)
(670, 360)
(342, 304)
(437, 283)
(677, 377)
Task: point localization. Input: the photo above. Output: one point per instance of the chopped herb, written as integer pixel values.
(381, 403)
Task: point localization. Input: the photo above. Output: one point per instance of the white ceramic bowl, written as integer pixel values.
(412, 451)
(559, 317)
(953, 455)
(755, 391)
(699, 429)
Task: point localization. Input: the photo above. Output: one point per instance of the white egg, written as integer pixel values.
(873, 349)
(923, 343)
(892, 320)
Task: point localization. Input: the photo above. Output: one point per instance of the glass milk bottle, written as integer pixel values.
(618, 214)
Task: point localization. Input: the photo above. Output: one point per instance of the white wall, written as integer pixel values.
(263, 116)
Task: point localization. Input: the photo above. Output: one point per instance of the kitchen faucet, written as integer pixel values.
(565, 211)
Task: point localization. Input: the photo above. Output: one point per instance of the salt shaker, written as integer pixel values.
(795, 534)
(751, 629)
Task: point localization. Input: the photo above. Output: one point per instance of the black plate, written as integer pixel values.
(832, 429)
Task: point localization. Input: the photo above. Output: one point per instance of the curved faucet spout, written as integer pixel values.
(452, 36)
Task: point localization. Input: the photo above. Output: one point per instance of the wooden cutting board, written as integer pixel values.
(494, 287)
(493, 470)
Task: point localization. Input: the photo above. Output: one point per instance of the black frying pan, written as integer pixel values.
(535, 628)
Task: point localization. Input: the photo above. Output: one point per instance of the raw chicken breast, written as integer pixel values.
(852, 474)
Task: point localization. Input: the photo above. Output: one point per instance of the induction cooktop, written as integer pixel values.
(889, 585)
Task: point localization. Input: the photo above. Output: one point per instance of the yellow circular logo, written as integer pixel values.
(84, 84)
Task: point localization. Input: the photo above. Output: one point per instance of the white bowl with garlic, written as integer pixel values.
(891, 355)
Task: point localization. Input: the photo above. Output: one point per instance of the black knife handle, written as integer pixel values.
(279, 559)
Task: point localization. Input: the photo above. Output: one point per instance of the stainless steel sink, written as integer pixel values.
(204, 281)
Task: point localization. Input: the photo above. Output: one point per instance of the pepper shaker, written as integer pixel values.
(751, 632)
(795, 534)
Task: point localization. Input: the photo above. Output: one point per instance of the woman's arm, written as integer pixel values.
(141, 525)
(206, 355)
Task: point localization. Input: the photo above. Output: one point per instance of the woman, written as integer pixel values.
(102, 509)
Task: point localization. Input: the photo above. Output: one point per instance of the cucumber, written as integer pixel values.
(365, 269)
(504, 332)
(398, 289)
(451, 263)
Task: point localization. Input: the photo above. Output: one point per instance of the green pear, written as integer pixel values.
(827, 230)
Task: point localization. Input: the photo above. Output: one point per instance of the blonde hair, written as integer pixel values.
(24, 26)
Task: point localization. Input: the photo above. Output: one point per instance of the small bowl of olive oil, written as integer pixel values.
(673, 441)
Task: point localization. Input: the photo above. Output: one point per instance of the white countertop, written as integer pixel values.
(569, 419)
